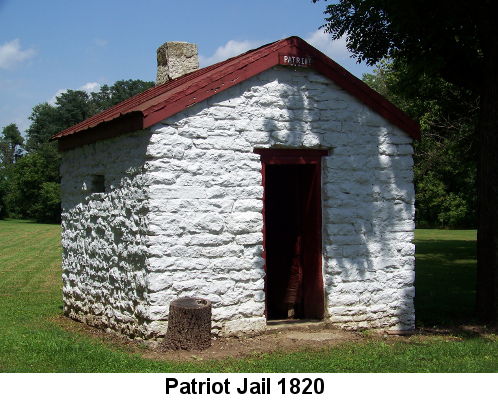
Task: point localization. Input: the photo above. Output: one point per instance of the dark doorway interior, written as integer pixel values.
(294, 285)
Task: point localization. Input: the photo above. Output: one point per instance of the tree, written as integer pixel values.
(119, 92)
(10, 144)
(456, 40)
(3, 193)
(71, 107)
(45, 124)
(32, 188)
(446, 157)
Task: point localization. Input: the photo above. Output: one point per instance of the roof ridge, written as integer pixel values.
(161, 101)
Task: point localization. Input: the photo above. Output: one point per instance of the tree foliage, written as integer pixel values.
(71, 107)
(11, 142)
(30, 189)
(33, 186)
(439, 36)
(446, 158)
(3, 193)
(117, 93)
(44, 123)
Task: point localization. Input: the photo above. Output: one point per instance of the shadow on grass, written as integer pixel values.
(42, 223)
(31, 222)
(449, 250)
(445, 282)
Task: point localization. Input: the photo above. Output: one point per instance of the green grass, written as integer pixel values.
(32, 338)
(446, 263)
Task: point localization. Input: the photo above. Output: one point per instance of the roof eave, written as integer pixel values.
(123, 124)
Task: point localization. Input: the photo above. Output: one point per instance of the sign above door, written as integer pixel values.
(296, 60)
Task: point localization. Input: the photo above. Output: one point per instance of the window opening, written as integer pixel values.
(98, 183)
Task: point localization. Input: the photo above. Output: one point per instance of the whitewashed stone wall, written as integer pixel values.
(104, 234)
(198, 229)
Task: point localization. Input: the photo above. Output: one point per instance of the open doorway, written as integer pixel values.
(292, 234)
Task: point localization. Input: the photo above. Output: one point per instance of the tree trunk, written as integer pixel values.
(487, 183)
(189, 324)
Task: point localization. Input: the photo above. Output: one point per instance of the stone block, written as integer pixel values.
(244, 327)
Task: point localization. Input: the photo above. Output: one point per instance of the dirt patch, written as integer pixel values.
(287, 337)
(273, 340)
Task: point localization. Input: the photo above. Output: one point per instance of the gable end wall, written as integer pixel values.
(206, 208)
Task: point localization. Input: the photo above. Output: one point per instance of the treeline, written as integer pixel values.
(29, 168)
(445, 160)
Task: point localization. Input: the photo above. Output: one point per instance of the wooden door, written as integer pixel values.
(292, 234)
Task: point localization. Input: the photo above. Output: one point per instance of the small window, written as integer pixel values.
(98, 183)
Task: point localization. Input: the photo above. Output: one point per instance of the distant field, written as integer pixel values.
(33, 340)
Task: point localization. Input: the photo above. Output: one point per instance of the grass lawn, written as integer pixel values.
(33, 340)
(445, 276)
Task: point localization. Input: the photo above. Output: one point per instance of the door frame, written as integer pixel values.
(298, 157)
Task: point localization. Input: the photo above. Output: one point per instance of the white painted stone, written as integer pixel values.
(244, 327)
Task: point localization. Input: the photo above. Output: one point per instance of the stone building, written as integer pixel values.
(274, 184)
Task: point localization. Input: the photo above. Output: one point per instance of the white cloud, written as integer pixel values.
(52, 100)
(231, 49)
(11, 54)
(100, 42)
(335, 49)
(88, 87)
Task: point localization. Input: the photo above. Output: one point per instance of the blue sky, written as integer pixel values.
(47, 46)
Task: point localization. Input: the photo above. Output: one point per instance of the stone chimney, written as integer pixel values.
(175, 59)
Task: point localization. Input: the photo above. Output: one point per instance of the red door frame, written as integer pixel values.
(299, 157)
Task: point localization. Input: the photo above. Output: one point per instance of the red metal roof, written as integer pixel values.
(162, 101)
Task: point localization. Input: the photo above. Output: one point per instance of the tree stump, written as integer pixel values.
(189, 324)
